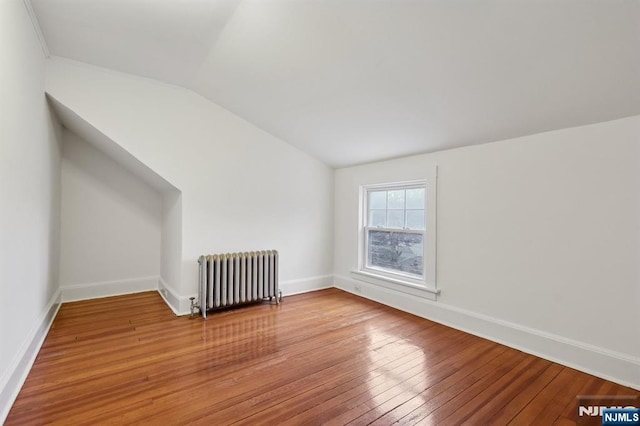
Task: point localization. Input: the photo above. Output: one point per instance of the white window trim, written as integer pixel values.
(423, 287)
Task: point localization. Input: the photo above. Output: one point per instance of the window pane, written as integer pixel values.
(378, 218)
(395, 199)
(396, 251)
(395, 218)
(378, 200)
(415, 198)
(415, 219)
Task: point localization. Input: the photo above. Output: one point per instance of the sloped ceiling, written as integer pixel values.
(354, 81)
(106, 145)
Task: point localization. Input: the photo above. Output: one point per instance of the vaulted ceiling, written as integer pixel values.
(353, 81)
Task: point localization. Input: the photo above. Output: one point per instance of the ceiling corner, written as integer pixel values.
(36, 27)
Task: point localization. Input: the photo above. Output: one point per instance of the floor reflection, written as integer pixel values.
(399, 369)
(238, 337)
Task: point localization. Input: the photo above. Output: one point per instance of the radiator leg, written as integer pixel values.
(279, 298)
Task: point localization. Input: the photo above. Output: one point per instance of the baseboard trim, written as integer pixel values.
(597, 361)
(73, 293)
(305, 285)
(14, 378)
(175, 302)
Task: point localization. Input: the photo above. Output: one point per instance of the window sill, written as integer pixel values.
(396, 284)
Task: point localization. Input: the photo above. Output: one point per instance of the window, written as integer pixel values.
(394, 230)
(397, 236)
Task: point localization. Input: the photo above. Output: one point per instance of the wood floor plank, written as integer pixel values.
(520, 396)
(451, 363)
(461, 390)
(444, 378)
(313, 366)
(539, 402)
(360, 389)
(326, 357)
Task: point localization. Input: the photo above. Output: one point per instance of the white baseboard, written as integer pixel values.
(72, 293)
(180, 305)
(616, 367)
(14, 377)
(306, 285)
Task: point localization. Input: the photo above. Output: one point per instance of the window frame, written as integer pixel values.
(402, 186)
(424, 286)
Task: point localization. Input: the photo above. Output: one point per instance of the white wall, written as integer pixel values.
(111, 225)
(29, 200)
(242, 189)
(538, 234)
(171, 246)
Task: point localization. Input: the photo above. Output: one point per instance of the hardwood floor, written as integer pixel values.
(323, 357)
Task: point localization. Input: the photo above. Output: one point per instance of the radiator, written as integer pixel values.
(236, 278)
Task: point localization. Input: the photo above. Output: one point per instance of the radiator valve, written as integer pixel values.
(194, 307)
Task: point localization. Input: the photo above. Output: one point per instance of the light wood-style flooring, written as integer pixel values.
(326, 357)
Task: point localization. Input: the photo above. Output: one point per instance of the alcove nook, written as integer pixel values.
(121, 222)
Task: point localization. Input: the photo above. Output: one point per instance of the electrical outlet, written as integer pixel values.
(357, 288)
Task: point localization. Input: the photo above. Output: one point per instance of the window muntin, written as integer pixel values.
(396, 208)
(395, 229)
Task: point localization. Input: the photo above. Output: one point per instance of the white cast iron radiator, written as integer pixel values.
(235, 278)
